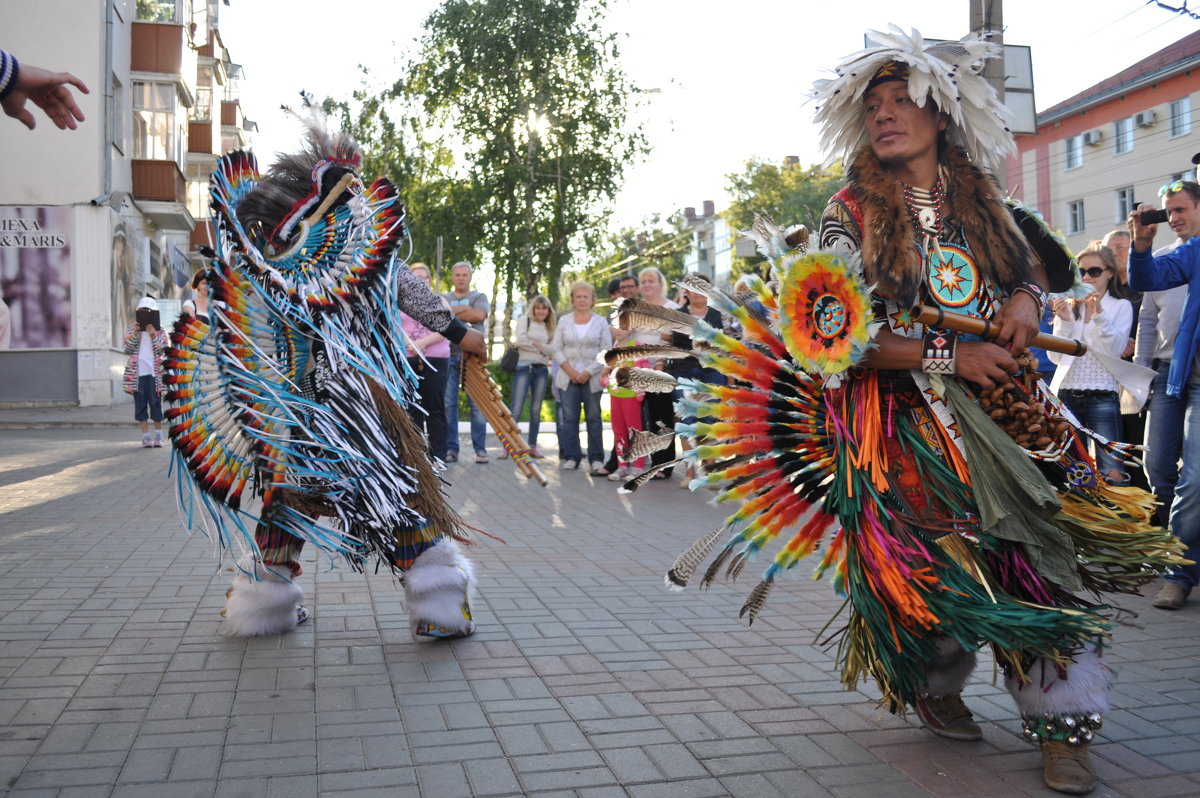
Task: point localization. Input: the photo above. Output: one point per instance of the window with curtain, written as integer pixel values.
(1181, 117)
(1074, 146)
(1075, 216)
(1123, 135)
(157, 131)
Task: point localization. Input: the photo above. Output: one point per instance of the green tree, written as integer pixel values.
(531, 96)
(438, 201)
(787, 192)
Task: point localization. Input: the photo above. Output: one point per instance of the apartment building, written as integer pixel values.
(93, 219)
(712, 250)
(1113, 145)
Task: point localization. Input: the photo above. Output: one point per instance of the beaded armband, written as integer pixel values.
(1035, 291)
(937, 356)
(1071, 729)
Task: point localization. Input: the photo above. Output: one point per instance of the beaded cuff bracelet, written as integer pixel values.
(937, 356)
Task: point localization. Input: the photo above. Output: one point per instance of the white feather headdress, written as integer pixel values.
(951, 73)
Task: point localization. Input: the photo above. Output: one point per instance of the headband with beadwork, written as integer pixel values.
(949, 73)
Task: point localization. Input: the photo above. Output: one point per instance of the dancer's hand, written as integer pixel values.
(984, 363)
(474, 343)
(1018, 321)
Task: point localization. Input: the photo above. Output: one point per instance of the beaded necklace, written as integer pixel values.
(925, 211)
(925, 207)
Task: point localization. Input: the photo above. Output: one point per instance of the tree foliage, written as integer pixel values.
(787, 192)
(438, 202)
(514, 130)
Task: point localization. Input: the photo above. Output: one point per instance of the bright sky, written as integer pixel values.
(733, 76)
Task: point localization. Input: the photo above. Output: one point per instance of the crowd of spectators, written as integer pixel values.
(563, 352)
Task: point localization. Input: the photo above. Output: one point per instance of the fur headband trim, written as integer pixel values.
(972, 199)
(949, 73)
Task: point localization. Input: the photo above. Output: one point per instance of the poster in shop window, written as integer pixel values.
(35, 277)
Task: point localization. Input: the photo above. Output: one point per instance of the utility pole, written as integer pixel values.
(987, 17)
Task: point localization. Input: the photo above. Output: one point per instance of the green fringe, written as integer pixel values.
(896, 657)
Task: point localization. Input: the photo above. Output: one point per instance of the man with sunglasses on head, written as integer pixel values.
(1168, 335)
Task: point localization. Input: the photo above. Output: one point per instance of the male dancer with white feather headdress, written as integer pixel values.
(296, 388)
(918, 124)
(957, 508)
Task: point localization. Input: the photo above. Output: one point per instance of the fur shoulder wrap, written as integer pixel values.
(973, 200)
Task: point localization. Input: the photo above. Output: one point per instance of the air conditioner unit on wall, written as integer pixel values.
(1093, 138)
(1145, 118)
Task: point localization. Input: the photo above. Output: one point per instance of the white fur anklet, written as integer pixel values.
(1082, 690)
(437, 592)
(267, 605)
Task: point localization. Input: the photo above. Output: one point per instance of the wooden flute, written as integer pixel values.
(938, 317)
(485, 393)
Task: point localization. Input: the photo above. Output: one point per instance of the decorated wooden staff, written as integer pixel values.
(937, 317)
(487, 397)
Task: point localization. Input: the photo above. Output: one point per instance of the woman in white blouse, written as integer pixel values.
(578, 339)
(1087, 385)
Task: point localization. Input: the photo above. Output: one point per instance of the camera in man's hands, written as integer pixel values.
(145, 317)
(1153, 217)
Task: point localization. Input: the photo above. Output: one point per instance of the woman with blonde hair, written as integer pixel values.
(577, 342)
(534, 333)
(1085, 384)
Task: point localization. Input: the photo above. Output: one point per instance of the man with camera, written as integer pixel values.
(1174, 425)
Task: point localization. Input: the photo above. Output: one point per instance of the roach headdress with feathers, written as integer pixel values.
(948, 73)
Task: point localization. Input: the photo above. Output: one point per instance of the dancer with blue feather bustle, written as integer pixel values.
(289, 403)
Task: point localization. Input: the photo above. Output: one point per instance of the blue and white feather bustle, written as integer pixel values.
(294, 392)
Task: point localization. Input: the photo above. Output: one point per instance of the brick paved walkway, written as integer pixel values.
(586, 678)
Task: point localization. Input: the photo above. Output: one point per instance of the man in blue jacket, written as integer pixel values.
(1181, 266)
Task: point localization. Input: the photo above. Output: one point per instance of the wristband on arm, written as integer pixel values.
(1036, 291)
(937, 355)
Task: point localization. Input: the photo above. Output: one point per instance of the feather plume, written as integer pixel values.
(687, 563)
(643, 443)
(769, 238)
(697, 285)
(644, 380)
(645, 476)
(711, 573)
(636, 314)
(756, 599)
(614, 357)
(737, 565)
(949, 75)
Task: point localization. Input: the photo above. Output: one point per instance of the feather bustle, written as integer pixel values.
(643, 443)
(644, 477)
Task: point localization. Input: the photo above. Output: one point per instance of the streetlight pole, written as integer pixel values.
(987, 19)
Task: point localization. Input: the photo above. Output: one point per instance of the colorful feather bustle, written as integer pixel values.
(825, 314)
(863, 468)
(286, 325)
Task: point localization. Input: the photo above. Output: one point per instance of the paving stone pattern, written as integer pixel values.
(586, 678)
